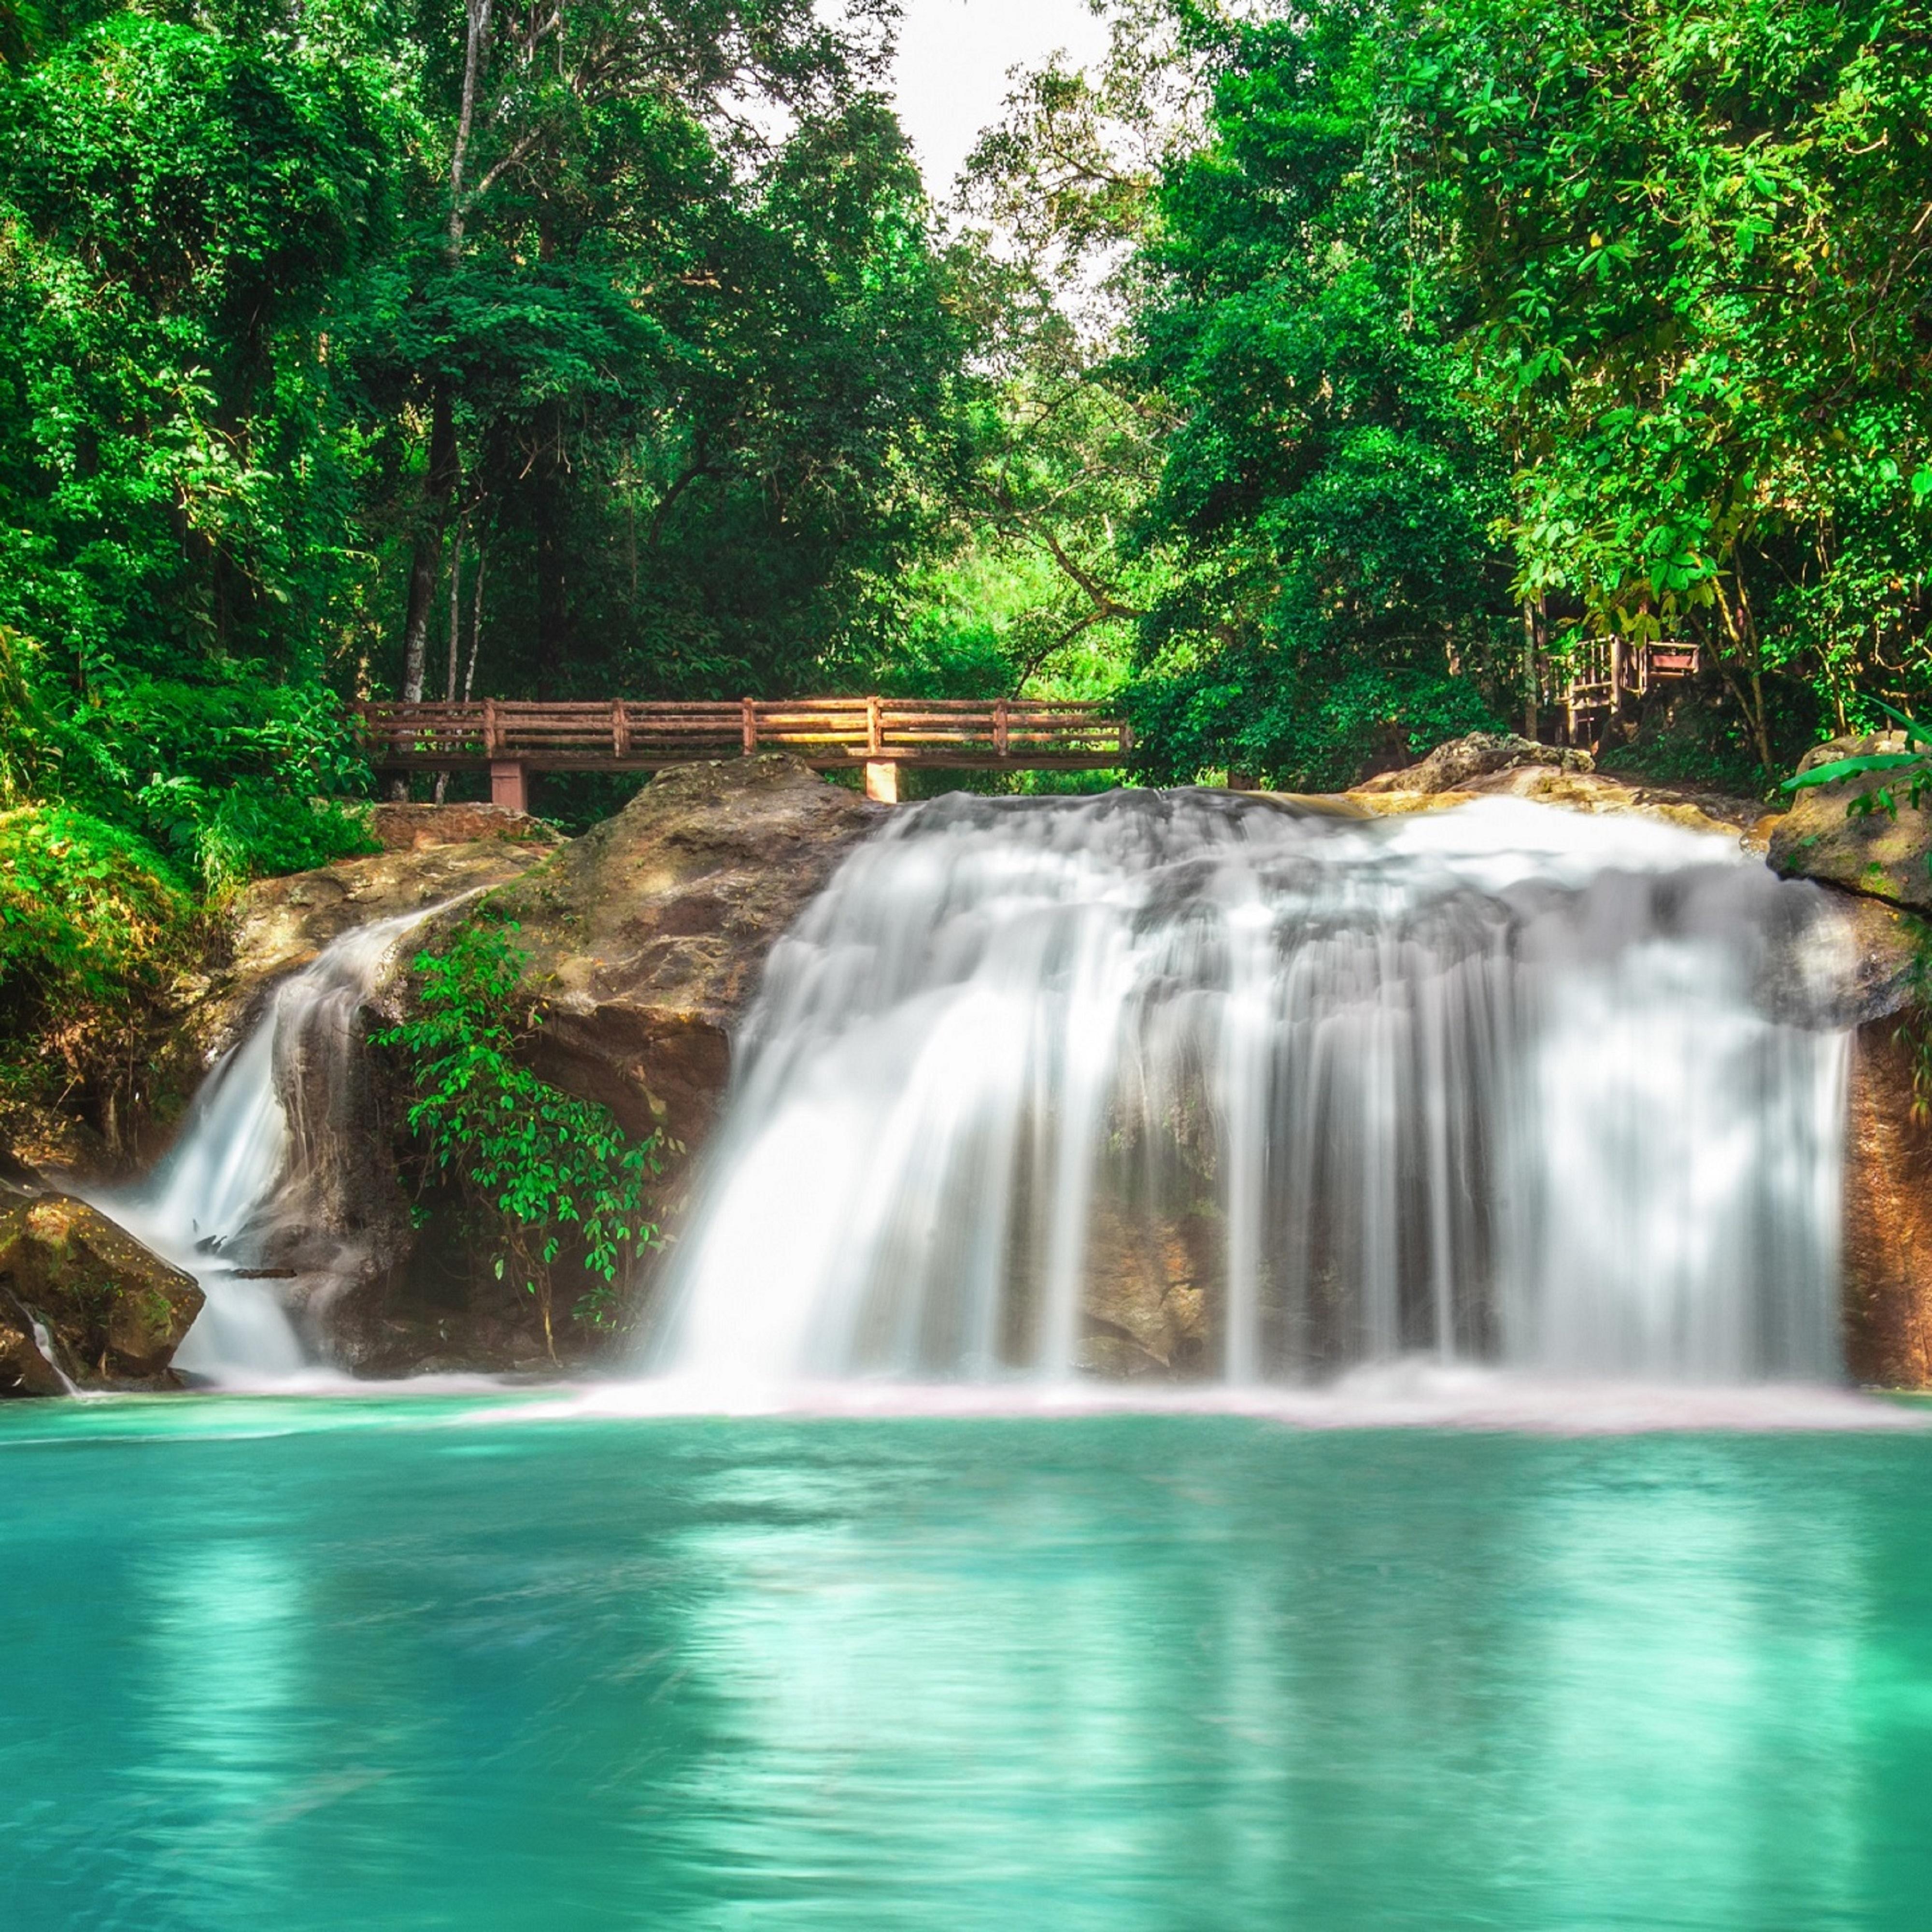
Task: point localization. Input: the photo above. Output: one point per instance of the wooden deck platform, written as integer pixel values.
(512, 738)
(1604, 670)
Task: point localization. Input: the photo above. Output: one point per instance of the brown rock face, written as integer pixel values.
(1887, 1264)
(647, 935)
(1883, 854)
(281, 924)
(1146, 1304)
(417, 828)
(115, 1313)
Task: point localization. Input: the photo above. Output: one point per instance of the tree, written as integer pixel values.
(1327, 499)
(1698, 235)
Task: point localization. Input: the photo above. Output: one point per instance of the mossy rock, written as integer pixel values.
(1883, 854)
(116, 1312)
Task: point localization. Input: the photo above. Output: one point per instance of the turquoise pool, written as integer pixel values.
(275, 1665)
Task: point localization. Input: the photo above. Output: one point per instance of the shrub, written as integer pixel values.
(93, 926)
(548, 1176)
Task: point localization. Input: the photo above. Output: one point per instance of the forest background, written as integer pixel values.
(1312, 381)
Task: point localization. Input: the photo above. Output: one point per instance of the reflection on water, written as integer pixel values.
(360, 1667)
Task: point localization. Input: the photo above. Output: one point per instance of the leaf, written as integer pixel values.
(1852, 767)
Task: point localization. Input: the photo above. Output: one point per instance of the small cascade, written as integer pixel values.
(265, 1198)
(43, 1340)
(1227, 1088)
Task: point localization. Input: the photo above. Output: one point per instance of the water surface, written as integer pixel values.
(462, 1663)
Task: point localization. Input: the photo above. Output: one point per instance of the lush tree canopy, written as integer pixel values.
(1315, 379)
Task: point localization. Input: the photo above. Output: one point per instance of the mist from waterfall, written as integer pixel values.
(1193, 1085)
(249, 1201)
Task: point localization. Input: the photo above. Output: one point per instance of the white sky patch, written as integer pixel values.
(955, 58)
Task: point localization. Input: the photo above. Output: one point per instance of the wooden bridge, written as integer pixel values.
(511, 739)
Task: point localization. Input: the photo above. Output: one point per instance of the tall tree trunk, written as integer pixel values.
(424, 560)
(477, 20)
(1529, 670)
(425, 565)
(455, 642)
(475, 625)
(548, 519)
(440, 489)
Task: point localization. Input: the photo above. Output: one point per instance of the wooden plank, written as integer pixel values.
(829, 733)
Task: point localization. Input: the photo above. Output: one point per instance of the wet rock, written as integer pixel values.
(24, 1369)
(648, 935)
(1878, 973)
(278, 924)
(115, 1312)
(1884, 855)
(1573, 790)
(1145, 1307)
(1452, 767)
(1887, 1237)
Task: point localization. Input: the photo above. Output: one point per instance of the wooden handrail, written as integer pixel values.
(828, 733)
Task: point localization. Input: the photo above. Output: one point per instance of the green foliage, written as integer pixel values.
(1695, 231)
(554, 1176)
(1327, 496)
(92, 925)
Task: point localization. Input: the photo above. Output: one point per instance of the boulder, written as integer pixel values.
(648, 935)
(1451, 767)
(40, 1146)
(646, 939)
(115, 1312)
(1886, 855)
(1575, 789)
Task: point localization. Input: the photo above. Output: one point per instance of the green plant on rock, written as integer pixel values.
(1912, 767)
(554, 1178)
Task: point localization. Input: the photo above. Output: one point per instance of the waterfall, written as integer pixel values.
(265, 1198)
(1207, 1086)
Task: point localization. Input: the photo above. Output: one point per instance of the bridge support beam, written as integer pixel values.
(882, 780)
(509, 785)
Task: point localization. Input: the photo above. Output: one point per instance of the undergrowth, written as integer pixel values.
(94, 925)
(551, 1181)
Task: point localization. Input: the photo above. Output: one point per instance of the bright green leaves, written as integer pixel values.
(93, 927)
(552, 1176)
(1328, 495)
(1687, 235)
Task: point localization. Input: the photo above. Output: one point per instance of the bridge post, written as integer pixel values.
(882, 780)
(509, 785)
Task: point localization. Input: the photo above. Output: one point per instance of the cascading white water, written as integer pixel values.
(1230, 1088)
(240, 1202)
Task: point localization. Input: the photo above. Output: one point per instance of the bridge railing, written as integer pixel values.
(629, 734)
